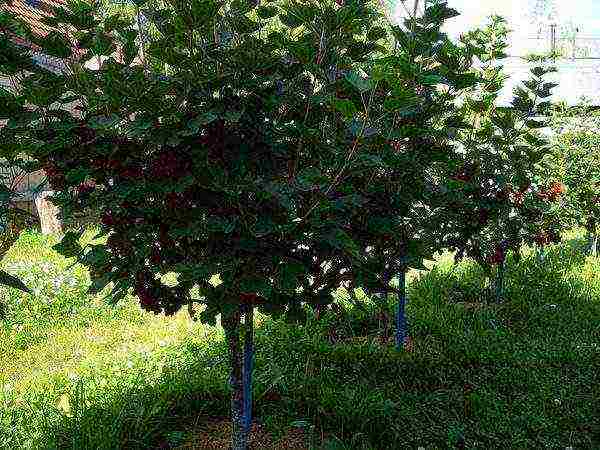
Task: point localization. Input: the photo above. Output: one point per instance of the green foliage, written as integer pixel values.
(247, 141)
(285, 148)
(574, 163)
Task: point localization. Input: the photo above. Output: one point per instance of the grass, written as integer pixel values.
(77, 373)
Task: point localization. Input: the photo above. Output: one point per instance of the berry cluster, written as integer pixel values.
(132, 172)
(178, 200)
(169, 165)
(55, 175)
(85, 134)
(465, 174)
(84, 189)
(109, 219)
(544, 238)
(251, 298)
(156, 297)
(499, 255)
(483, 216)
(106, 164)
(396, 144)
(214, 139)
(553, 192)
(119, 244)
(146, 290)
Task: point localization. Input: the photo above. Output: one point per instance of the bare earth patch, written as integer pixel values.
(215, 434)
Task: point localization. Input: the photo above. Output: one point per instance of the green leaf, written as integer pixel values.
(116, 22)
(209, 315)
(303, 51)
(55, 44)
(345, 106)
(99, 284)
(295, 313)
(255, 284)
(376, 33)
(439, 13)
(341, 240)
(267, 12)
(203, 119)
(360, 83)
(96, 255)
(239, 7)
(289, 274)
(536, 124)
(432, 79)
(502, 120)
(69, 246)
(130, 49)
(104, 122)
(244, 25)
(6, 279)
(98, 43)
(290, 20)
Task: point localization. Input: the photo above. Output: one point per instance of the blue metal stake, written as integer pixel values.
(400, 313)
(248, 366)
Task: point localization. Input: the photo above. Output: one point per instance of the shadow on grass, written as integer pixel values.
(497, 377)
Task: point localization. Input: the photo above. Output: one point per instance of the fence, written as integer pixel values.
(577, 58)
(570, 45)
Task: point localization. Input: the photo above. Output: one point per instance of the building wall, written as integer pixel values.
(577, 38)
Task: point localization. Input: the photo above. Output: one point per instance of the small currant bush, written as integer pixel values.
(291, 147)
(499, 202)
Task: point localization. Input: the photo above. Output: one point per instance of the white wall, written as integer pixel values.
(576, 78)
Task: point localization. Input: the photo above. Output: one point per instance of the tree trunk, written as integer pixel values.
(48, 213)
(401, 313)
(541, 256)
(500, 282)
(231, 325)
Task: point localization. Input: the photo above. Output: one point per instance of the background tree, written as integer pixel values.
(415, 89)
(576, 135)
(498, 205)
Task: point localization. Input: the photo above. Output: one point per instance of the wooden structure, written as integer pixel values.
(49, 214)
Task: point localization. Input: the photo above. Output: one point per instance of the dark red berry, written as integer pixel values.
(108, 219)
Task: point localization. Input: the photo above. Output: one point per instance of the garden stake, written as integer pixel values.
(231, 326)
(400, 313)
(248, 366)
(384, 305)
